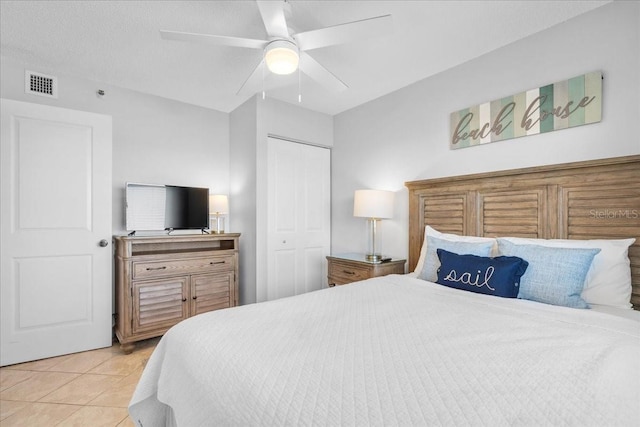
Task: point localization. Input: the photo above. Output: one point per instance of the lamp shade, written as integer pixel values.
(281, 57)
(373, 204)
(218, 204)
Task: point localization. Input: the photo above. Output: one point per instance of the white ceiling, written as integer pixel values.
(118, 42)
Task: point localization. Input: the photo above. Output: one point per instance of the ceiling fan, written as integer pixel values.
(283, 52)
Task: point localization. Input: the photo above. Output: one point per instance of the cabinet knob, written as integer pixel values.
(184, 299)
(195, 297)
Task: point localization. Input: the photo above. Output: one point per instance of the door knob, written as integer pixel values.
(103, 243)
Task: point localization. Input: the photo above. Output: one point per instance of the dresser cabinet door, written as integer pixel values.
(211, 292)
(159, 304)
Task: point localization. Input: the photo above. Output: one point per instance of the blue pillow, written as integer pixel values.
(432, 263)
(555, 275)
(499, 276)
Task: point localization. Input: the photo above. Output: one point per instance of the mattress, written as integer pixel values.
(393, 350)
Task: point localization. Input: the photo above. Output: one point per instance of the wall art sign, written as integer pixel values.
(561, 105)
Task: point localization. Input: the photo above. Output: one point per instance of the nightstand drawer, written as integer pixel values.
(346, 273)
(143, 270)
(349, 268)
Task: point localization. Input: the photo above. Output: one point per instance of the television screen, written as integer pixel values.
(166, 207)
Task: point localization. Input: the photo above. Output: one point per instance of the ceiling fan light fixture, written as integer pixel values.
(281, 57)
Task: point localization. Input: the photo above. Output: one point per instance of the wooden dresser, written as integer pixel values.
(347, 268)
(161, 280)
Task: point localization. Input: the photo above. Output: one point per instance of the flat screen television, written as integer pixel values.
(152, 207)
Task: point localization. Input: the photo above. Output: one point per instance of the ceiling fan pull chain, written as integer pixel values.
(263, 95)
(299, 86)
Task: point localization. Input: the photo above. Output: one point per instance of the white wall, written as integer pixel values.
(405, 136)
(249, 176)
(242, 193)
(155, 140)
(396, 138)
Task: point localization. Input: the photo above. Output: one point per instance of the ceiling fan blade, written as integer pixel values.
(313, 69)
(344, 33)
(213, 39)
(272, 13)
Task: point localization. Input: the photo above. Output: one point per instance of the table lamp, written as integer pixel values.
(218, 205)
(374, 205)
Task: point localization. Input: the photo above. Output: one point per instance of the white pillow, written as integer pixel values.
(432, 261)
(429, 231)
(608, 280)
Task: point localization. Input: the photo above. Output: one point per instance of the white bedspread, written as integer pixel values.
(394, 351)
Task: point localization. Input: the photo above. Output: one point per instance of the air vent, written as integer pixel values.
(40, 84)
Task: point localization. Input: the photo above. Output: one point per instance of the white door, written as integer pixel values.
(299, 217)
(55, 210)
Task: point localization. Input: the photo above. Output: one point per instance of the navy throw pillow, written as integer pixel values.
(499, 276)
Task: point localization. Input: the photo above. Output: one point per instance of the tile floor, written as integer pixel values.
(92, 388)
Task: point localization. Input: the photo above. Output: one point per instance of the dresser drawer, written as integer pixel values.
(148, 269)
(345, 273)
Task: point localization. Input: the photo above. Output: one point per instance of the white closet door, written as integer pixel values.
(54, 211)
(299, 217)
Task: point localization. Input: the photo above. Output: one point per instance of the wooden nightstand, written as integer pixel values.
(347, 268)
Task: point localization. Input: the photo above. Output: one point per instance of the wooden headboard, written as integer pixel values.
(597, 199)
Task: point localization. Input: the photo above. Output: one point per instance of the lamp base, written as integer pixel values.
(374, 258)
(217, 225)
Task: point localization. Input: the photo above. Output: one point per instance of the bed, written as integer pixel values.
(404, 350)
